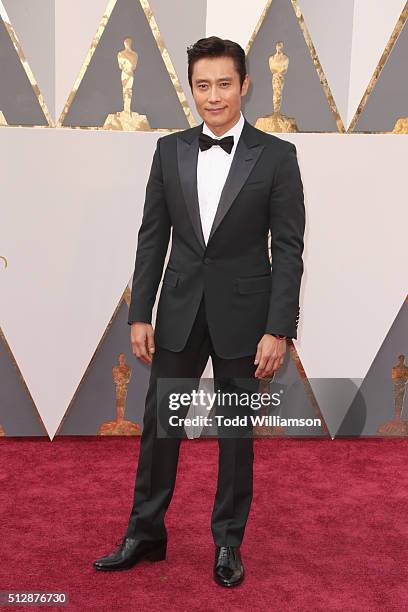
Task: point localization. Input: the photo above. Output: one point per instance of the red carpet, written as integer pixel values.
(328, 527)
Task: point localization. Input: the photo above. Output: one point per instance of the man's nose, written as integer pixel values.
(214, 95)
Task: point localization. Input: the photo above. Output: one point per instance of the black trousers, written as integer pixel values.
(158, 458)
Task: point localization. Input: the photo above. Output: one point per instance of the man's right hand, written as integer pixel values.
(142, 340)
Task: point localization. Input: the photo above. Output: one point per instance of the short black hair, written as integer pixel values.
(213, 46)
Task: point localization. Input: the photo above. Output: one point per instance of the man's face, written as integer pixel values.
(217, 92)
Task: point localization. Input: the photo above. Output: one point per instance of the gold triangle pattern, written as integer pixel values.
(163, 51)
(386, 53)
(313, 55)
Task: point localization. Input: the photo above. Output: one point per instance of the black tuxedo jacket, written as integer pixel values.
(245, 296)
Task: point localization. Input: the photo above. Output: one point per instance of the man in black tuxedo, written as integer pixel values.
(221, 186)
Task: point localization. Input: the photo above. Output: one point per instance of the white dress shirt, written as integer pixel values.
(212, 169)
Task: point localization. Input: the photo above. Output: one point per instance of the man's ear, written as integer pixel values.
(245, 85)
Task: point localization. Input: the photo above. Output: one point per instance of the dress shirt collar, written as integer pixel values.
(234, 131)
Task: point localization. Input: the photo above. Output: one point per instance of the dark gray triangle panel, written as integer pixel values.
(99, 395)
(388, 101)
(18, 414)
(384, 389)
(303, 96)
(100, 91)
(18, 102)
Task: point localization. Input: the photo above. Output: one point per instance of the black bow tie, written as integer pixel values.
(206, 142)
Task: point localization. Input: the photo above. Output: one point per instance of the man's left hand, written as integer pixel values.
(269, 355)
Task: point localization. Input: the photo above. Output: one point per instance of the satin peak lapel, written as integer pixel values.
(246, 155)
(187, 157)
(245, 158)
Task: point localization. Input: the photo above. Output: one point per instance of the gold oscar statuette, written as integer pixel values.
(397, 427)
(127, 120)
(276, 122)
(401, 126)
(120, 427)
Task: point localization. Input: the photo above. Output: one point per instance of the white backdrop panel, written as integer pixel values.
(70, 210)
(355, 255)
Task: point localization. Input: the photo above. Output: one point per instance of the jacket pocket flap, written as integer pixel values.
(254, 185)
(254, 284)
(170, 278)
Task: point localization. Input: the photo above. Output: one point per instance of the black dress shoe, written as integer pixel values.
(228, 567)
(131, 551)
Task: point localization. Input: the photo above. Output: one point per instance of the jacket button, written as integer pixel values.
(207, 260)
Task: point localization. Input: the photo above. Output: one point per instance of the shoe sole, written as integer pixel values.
(229, 584)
